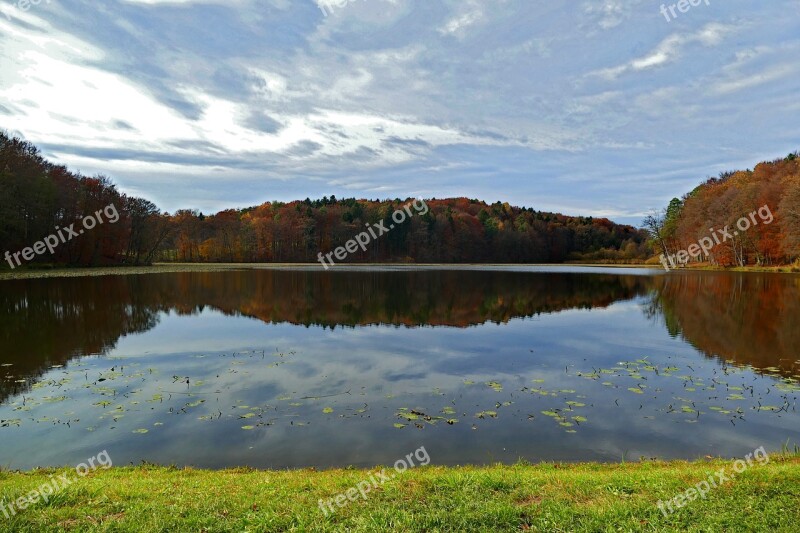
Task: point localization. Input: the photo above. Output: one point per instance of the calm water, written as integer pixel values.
(293, 368)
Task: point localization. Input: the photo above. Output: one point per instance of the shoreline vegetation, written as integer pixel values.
(740, 218)
(165, 268)
(48, 220)
(541, 497)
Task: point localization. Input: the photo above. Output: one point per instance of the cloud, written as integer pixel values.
(471, 14)
(229, 102)
(752, 80)
(757, 66)
(669, 50)
(609, 13)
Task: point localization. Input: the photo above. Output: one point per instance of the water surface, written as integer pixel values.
(283, 367)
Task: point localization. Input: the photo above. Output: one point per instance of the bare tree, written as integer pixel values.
(654, 224)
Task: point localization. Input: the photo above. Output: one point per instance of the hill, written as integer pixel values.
(39, 200)
(741, 218)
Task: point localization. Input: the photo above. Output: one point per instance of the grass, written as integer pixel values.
(39, 271)
(162, 268)
(159, 268)
(776, 269)
(544, 497)
(785, 269)
(68, 272)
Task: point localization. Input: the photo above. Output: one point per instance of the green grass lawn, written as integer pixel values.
(545, 497)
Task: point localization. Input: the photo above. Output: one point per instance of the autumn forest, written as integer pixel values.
(721, 202)
(37, 196)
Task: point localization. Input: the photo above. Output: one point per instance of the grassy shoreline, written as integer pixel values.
(78, 272)
(162, 268)
(543, 497)
(786, 269)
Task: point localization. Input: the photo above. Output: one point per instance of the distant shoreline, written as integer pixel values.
(168, 268)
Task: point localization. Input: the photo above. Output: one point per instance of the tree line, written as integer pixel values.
(723, 202)
(454, 230)
(36, 197)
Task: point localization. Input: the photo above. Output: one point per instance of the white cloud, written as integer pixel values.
(669, 50)
(471, 14)
(748, 81)
(471, 97)
(610, 13)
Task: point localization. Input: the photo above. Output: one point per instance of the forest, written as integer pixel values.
(721, 202)
(36, 197)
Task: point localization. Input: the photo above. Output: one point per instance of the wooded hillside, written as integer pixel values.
(771, 188)
(36, 197)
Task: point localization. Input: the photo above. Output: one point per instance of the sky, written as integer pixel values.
(603, 108)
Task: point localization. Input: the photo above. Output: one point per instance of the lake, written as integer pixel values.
(298, 367)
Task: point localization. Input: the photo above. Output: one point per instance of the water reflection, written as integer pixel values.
(286, 368)
(48, 321)
(750, 319)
